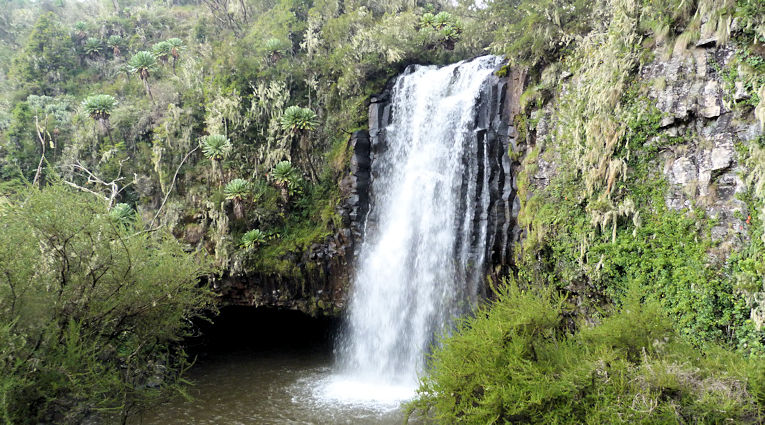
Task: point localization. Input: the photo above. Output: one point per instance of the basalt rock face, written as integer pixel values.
(698, 108)
(494, 134)
(711, 120)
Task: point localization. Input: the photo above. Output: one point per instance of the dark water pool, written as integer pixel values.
(267, 368)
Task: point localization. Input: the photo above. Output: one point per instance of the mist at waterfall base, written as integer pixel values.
(422, 259)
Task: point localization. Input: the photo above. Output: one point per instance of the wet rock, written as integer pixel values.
(722, 157)
(740, 92)
(710, 102)
(683, 171)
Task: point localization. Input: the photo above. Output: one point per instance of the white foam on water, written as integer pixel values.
(356, 391)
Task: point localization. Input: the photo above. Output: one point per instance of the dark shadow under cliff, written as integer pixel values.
(258, 330)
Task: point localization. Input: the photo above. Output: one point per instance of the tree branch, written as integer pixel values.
(40, 136)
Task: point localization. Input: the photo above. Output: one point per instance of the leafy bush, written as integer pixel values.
(142, 63)
(80, 29)
(122, 213)
(162, 50)
(444, 27)
(237, 190)
(90, 312)
(535, 32)
(284, 174)
(176, 45)
(253, 238)
(47, 61)
(114, 42)
(92, 46)
(274, 47)
(518, 361)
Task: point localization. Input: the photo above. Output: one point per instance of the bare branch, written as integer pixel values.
(113, 186)
(40, 136)
(85, 189)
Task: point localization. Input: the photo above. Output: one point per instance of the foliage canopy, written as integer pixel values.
(89, 310)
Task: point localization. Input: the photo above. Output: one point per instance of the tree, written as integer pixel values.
(237, 190)
(274, 49)
(122, 214)
(444, 28)
(142, 63)
(80, 30)
(253, 238)
(216, 148)
(536, 32)
(298, 122)
(90, 312)
(176, 45)
(47, 59)
(100, 107)
(114, 42)
(232, 14)
(286, 178)
(162, 50)
(92, 47)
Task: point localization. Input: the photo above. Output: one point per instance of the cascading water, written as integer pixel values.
(422, 259)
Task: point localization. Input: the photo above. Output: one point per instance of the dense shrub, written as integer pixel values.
(90, 310)
(519, 361)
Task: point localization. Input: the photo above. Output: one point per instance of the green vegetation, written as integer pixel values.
(176, 45)
(115, 43)
(619, 309)
(519, 361)
(90, 312)
(259, 84)
(216, 147)
(298, 120)
(443, 27)
(92, 47)
(237, 191)
(274, 48)
(162, 51)
(141, 64)
(625, 315)
(253, 238)
(287, 179)
(122, 213)
(100, 107)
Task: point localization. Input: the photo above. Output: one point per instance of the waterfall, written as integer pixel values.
(423, 256)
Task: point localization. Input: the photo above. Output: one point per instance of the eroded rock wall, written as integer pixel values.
(705, 170)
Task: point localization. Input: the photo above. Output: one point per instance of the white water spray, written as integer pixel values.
(422, 259)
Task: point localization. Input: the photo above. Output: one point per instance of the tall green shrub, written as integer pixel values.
(90, 310)
(520, 361)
